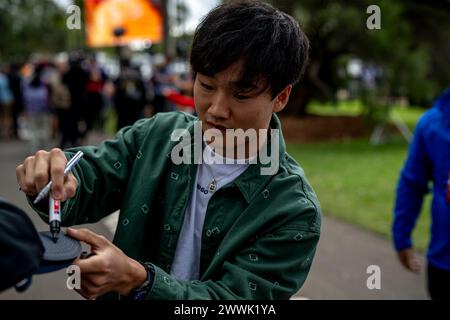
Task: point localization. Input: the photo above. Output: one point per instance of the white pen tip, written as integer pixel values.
(36, 200)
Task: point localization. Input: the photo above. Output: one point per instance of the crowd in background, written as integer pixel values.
(65, 99)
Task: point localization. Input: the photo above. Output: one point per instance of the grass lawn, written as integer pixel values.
(356, 182)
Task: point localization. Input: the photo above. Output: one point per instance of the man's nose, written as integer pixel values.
(219, 107)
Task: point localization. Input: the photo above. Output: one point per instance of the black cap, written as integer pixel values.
(59, 254)
(25, 251)
(20, 246)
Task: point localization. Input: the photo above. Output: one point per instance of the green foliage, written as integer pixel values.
(411, 48)
(28, 26)
(408, 115)
(342, 108)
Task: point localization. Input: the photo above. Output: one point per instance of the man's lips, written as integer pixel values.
(216, 126)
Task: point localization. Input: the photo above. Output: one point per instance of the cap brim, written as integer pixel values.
(59, 254)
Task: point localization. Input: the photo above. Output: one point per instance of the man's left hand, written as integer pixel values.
(108, 269)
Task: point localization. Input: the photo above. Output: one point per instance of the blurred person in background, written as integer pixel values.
(92, 109)
(75, 79)
(181, 94)
(60, 99)
(428, 161)
(130, 96)
(15, 82)
(6, 100)
(161, 81)
(36, 101)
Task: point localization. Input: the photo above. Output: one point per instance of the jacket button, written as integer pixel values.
(117, 165)
(167, 281)
(298, 237)
(303, 201)
(144, 208)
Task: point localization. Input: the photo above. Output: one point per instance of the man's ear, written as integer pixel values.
(282, 99)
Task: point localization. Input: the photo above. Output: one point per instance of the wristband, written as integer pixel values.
(140, 292)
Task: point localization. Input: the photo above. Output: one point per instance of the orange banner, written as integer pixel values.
(139, 20)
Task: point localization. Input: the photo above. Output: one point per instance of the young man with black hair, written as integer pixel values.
(201, 230)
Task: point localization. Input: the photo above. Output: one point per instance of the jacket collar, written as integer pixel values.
(443, 103)
(252, 181)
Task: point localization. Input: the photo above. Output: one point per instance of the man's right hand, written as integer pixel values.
(36, 171)
(409, 260)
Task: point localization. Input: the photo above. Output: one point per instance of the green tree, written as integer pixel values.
(29, 26)
(411, 48)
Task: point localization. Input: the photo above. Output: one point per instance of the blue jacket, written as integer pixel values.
(428, 160)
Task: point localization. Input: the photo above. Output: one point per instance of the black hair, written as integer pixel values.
(36, 80)
(270, 43)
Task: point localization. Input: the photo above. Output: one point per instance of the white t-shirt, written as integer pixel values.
(186, 263)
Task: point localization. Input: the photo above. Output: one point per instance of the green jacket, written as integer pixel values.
(260, 232)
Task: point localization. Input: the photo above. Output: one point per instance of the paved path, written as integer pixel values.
(338, 271)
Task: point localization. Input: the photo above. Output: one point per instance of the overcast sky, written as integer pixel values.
(197, 9)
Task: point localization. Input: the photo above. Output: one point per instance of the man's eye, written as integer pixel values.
(241, 97)
(207, 87)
